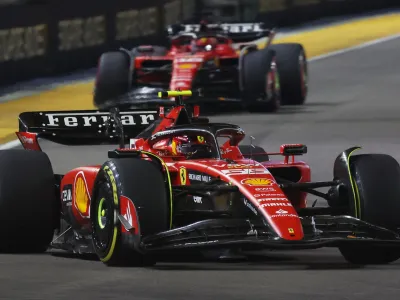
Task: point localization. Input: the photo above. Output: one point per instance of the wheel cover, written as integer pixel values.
(103, 221)
(273, 87)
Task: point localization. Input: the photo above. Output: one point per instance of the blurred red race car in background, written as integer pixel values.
(207, 58)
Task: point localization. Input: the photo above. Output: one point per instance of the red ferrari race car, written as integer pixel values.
(186, 184)
(203, 57)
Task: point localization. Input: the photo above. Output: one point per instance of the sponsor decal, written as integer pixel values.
(197, 199)
(81, 193)
(200, 139)
(268, 189)
(133, 23)
(271, 199)
(196, 176)
(232, 172)
(193, 59)
(257, 181)
(250, 206)
(276, 204)
(27, 140)
(162, 133)
(237, 166)
(128, 212)
(23, 42)
(270, 195)
(229, 28)
(87, 119)
(283, 213)
(81, 33)
(66, 195)
(182, 175)
(187, 66)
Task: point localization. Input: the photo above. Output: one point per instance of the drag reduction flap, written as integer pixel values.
(82, 127)
(238, 32)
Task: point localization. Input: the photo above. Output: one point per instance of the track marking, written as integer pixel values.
(10, 145)
(357, 47)
(17, 143)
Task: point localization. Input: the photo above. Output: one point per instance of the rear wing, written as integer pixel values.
(81, 127)
(238, 32)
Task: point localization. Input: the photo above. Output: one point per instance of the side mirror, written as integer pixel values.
(293, 149)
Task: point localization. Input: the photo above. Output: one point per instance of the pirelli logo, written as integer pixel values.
(81, 119)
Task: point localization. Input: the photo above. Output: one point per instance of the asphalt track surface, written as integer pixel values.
(354, 100)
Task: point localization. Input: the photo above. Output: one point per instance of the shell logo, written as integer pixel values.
(257, 181)
(82, 199)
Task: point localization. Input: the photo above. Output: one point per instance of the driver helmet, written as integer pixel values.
(193, 147)
(207, 43)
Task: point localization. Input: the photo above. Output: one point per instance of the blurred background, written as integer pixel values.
(47, 37)
(48, 53)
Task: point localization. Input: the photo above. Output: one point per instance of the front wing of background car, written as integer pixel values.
(146, 98)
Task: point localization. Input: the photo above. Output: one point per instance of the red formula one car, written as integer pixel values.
(187, 184)
(203, 57)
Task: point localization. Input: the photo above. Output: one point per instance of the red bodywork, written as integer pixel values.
(254, 180)
(186, 62)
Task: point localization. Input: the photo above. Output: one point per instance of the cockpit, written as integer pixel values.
(192, 42)
(197, 141)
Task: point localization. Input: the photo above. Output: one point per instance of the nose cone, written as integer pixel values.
(267, 196)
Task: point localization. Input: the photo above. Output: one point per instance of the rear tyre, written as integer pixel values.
(142, 183)
(260, 79)
(28, 202)
(113, 78)
(379, 204)
(292, 67)
(248, 150)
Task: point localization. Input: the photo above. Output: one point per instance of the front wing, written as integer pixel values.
(251, 235)
(319, 231)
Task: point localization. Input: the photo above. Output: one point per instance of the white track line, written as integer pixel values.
(10, 145)
(357, 47)
(17, 143)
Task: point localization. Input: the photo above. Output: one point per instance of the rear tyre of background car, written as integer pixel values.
(142, 183)
(28, 202)
(377, 182)
(293, 70)
(113, 79)
(260, 81)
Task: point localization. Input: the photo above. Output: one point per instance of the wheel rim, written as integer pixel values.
(101, 214)
(303, 75)
(103, 221)
(273, 85)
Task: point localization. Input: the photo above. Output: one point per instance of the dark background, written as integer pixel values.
(54, 37)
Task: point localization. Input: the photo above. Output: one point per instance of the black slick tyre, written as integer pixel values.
(376, 179)
(258, 152)
(260, 80)
(293, 70)
(142, 182)
(113, 79)
(28, 202)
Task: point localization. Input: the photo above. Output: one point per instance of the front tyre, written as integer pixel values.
(113, 78)
(377, 203)
(293, 69)
(261, 81)
(129, 202)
